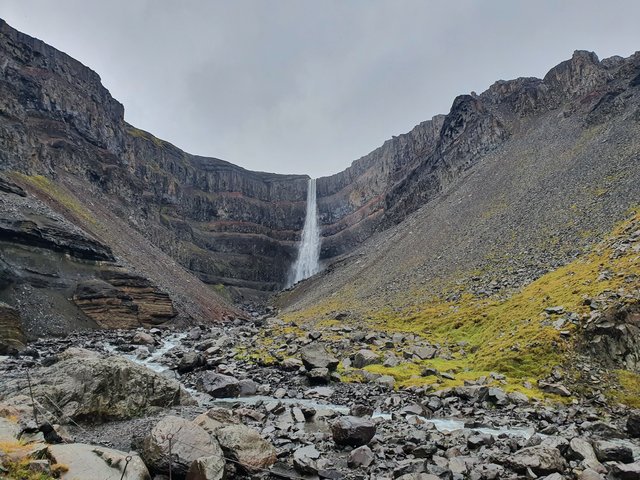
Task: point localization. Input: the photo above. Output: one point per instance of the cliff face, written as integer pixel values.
(225, 224)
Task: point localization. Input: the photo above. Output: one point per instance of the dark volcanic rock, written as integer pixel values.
(315, 355)
(353, 431)
(218, 385)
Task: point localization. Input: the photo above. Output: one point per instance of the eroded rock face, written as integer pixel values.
(120, 299)
(11, 336)
(615, 336)
(203, 211)
(92, 389)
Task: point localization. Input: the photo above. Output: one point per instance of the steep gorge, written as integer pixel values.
(64, 141)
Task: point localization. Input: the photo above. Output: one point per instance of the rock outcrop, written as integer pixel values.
(86, 387)
(11, 337)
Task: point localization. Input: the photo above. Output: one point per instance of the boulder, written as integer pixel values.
(9, 430)
(188, 441)
(360, 457)
(581, 449)
(554, 388)
(353, 431)
(190, 361)
(92, 389)
(218, 385)
(143, 338)
(612, 452)
(319, 376)
(633, 424)
(315, 355)
(247, 447)
(206, 468)
(425, 353)
(541, 459)
(248, 387)
(90, 461)
(215, 419)
(625, 471)
(365, 357)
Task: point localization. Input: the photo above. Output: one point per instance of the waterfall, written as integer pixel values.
(307, 263)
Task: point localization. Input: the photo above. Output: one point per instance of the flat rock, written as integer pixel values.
(90, 461)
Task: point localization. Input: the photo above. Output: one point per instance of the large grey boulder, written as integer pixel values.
(244, 445)
(541, 459)
(218, 385)
(315, 355)
(92, 388)
(365, 357)
(189, 442)
(353, 431)
(90, 461)
(612, 452)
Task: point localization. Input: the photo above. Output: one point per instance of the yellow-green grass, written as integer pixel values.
(629, 391)
(58, 194)
(513, 336)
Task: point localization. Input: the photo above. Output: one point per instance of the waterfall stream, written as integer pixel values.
(307, 263)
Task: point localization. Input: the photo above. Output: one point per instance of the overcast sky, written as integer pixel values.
(302, 86)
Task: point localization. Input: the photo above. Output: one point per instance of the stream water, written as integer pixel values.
(445, 425)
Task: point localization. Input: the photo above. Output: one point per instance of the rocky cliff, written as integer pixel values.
(233, 232)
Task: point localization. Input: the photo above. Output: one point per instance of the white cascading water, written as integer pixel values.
(307, 263)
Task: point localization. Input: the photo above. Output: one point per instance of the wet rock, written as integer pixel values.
(540, 459)
(90, 461)
(189, 442)
(315, 355)
(143, 338)
(353, 431)
(247, 447)
(361, 457)
(360, 410)
(190, 361)
(365, 357)
(218, 385)
(612, 452)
